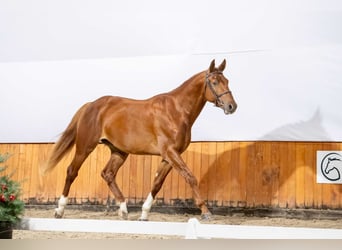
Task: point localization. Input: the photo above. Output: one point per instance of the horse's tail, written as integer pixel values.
(65, 142)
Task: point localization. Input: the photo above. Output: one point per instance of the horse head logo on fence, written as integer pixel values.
(331, 166)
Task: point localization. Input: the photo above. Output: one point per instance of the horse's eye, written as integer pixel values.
(215, 82)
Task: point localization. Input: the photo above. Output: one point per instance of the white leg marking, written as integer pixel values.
(146, 207)
(123, 212)
(63, 201)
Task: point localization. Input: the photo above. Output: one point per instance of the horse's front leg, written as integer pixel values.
(163, 170)
(176, 161)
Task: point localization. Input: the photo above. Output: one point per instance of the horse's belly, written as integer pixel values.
(146, 149)
(134, 143)
(141, 147)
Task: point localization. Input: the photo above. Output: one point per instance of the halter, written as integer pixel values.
(218, 101)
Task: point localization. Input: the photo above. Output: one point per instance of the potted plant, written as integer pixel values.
(11, 207)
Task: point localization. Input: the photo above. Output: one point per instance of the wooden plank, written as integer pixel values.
(266, 175)
(235, 185)
(291, 177)
(310, 169)
(227, 158)
(251, 169)
(50, 180)
(259, 162)
(92, 177)
(300, 174)
(243, 161)
(147, 181)
(284, 174)
(211, 173)
(326, 188)
(20, 172)
(26, 156)
(221, 175)
(138, 160)
(317, 187)
(42, 195)
(275, 169)
(204, 177)
(33, 172)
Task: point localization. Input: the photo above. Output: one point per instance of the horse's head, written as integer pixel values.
(334, 163)
(217, 90)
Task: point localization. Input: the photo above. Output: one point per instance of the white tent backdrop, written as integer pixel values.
(284, 63)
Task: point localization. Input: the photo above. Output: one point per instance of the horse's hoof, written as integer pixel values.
(58, 215)
(206, 217)
(123, 215)
(142, 219)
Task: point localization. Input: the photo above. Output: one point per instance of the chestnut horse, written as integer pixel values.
(160, 125)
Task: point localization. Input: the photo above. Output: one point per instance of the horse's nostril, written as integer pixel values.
(230, 107)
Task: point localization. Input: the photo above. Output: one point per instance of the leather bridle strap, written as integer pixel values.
(218, 101)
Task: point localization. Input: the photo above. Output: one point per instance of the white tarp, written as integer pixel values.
(284, 63)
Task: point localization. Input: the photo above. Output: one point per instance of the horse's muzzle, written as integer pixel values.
(229, 108)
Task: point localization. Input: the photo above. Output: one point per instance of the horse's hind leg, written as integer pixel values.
(109, 174)
(163, 170)
(72, 173)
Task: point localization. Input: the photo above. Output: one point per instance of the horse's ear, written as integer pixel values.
(212, 66)
(222, 66)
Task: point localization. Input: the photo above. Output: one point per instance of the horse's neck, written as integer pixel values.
(191, 96)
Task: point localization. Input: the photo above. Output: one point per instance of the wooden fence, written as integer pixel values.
(232, 174)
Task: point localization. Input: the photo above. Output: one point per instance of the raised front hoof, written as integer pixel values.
(206, 217)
